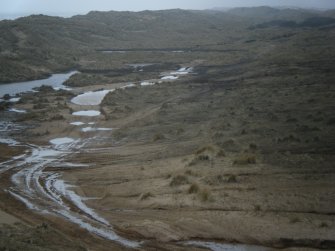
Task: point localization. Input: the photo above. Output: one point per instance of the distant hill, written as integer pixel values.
(221, 9)
(269, 13)
(329, 13)
(312, 22)
(37, 45)
(254, 11)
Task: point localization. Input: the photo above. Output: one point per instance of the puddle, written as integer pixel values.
(77, 123)
(89, 113)
(91, 129)
(88, 129)
(169, 78)
(56, 80)
(147, 83)
(90, 98)
(174, 75)
(41, 154)
(14, 100)
(128, 86)
(61, 141)
(10, 142)
(179, 73)
(62, 88)
(17, 110)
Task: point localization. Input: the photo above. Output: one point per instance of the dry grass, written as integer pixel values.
(221, 153)
(145, 196)
(202, 150)
(294, 219)
(323, 225)
(204, 195)
(232, 179)
(179, 180)
(245, 159)
(194, 188)
(158, 137)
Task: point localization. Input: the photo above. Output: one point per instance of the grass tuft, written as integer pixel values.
(194, 188)
(245, 159)
(204, 195)
(145, 196)
(179, 180)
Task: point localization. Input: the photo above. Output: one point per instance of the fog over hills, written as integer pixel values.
(12, 9)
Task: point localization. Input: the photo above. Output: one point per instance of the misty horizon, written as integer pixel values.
(12, 10)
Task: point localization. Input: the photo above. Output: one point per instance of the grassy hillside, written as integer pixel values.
(242, 147)
(37, 45)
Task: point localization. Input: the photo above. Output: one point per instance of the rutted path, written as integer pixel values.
(37, 182)
(44, 191)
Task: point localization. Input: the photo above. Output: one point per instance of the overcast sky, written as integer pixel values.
(71, 7)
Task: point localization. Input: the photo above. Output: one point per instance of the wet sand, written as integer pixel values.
(6, 218)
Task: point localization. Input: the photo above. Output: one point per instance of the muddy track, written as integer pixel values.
(46, 193)
(35, 179)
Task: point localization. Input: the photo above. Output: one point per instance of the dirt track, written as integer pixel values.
(192, 160)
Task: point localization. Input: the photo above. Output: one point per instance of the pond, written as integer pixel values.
(55, 80)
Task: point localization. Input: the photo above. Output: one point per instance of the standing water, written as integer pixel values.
(56, 81)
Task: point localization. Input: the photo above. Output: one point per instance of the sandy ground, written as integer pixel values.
(190, 161)
(6, 218)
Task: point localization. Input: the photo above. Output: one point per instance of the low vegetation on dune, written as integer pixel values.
(242, 138)
(241, 146)
(41, 237)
